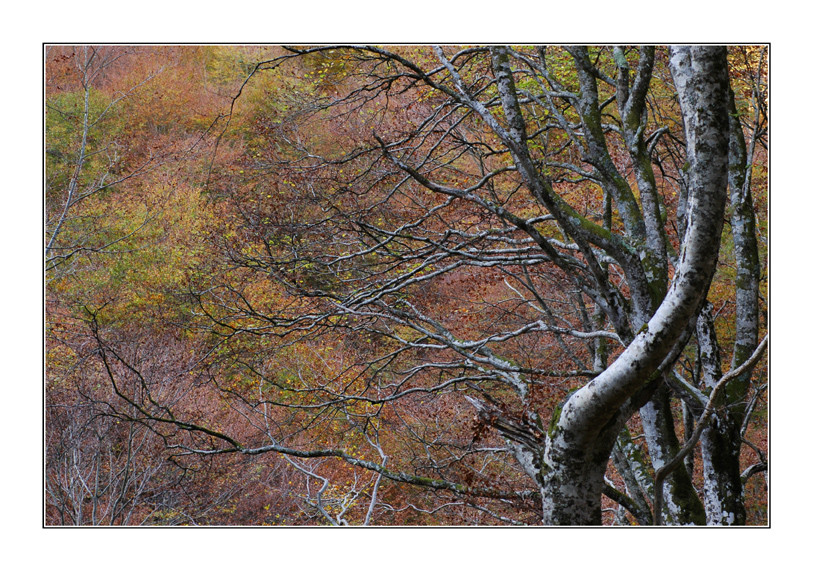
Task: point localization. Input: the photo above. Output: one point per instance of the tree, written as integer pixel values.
(121, 124)
(484, 268)
(84, 157)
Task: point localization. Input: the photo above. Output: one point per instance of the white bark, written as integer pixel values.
(590, 415)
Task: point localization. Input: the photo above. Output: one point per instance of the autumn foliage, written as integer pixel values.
(266, 305)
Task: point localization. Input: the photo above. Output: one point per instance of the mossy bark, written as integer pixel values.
(721, 441)
(581, 440)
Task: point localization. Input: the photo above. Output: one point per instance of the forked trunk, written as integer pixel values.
(582, 435)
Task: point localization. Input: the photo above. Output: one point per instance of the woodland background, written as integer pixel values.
(787, 216)
(200, 215)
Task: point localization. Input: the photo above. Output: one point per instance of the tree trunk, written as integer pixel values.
(720, 444)
(721, 441)
(681, 505)
(582, 435)
(573, 480)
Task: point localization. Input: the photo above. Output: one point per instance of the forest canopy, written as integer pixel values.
(406, 285)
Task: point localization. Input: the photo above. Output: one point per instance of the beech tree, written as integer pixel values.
(479, 271)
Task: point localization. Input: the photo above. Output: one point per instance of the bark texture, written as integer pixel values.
(577, 447)
(721, 441)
